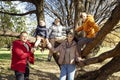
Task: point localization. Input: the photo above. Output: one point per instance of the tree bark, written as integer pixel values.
(78, 8)
(39, 10)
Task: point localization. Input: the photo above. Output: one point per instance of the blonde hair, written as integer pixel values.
(57, 19)
(83, 13)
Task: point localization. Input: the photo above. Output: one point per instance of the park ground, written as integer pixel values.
(42, 69)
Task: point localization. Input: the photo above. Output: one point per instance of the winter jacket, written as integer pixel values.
(89, 26)
(67, 54)
(41, 31)
(20, 56)
(57, 31)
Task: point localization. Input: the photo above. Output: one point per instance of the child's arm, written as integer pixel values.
(50, 30)
(55, 50)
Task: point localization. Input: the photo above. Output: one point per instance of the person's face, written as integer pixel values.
(70, 37)
(24, 37)
(57, 23)
(83, 16)
(42, 23)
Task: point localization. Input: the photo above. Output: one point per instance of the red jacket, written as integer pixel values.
(20, 56)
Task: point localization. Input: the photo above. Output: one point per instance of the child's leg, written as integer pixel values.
(38, 40)
(52, 41)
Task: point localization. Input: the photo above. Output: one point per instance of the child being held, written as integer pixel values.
(41, 34)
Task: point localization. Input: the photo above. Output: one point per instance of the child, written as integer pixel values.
(41, 33)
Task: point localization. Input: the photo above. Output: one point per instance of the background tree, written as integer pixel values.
(10, 23)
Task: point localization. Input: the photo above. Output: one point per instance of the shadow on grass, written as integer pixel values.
(43, 75)
(7, 77)
(34, 75)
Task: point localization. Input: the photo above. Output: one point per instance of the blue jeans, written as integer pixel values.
(67, 70)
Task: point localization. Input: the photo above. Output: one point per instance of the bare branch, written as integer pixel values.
(20, 0)
(14, 34)
(98, 7)
(54, 12)
(9, 33)
(16, 14)
(103, 56)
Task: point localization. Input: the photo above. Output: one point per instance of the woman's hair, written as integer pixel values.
(70, 33)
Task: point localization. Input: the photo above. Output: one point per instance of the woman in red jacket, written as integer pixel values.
(22, 55)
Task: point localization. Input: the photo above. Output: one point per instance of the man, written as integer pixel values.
(22, 55)
(57, 33)
(89, 27)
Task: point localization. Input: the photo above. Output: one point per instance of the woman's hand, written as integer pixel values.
(80, 62)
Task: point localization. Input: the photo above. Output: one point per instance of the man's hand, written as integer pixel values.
(33, 50)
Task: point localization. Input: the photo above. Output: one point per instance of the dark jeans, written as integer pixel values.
(22, 76)
(82, 42)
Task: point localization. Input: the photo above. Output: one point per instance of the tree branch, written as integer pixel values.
(16, 14)
(9, 33)
(19, 0)
(50, 9)
(14, 34)
(112, 53)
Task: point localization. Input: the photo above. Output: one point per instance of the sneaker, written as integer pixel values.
(49, 58)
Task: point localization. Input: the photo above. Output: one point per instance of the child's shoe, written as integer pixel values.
(49, 58)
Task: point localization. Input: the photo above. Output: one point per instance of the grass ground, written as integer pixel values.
(42, 70)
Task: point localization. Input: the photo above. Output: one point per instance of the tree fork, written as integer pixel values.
(108, 26)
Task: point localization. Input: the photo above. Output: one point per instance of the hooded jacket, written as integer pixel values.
(89, 26)
(20, 56)
(56, 31)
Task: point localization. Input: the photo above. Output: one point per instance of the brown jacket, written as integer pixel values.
(67, 54)
(89, 26)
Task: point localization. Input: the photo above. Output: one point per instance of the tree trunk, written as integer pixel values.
(39, 9)
(78, 8)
